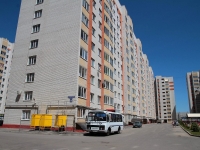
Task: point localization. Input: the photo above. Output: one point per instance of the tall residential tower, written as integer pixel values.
(165, 99)
(193, 87)
(5, 66)
(77, 48)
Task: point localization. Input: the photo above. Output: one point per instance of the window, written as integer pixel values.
(94, 4)
(36, 28)
(32, 60)
(106, 31)
(39, 2)
(93, 63)
(111, 74)
(82, 72)
(129, 98)
(99, 67)
(28, 95)
(80, 113)
(128, 78)
(93, 46)
(85, 20)
(84, 36)
(99, 83)
(34, 44)
(91, 97)
(111, 61)
(100, 24)
(99, 52)
(100, 1)
(106, 43)
(83, 53)
(127, 59)
(92, 80)
(106, 57)
(93, 31)
(106, 70)
(38, 14)
(100, 39)
(111, 87)
(85, 5)
(128, 69)
(30, 77)
(128, 87)
(26, 114)
(106, 84)
(115, 93)
(100, 13)
(106, 100)
(111, 101)
(93, 17)
(81, 92)
(99, 99)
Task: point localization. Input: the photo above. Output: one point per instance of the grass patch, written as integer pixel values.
(190, 131)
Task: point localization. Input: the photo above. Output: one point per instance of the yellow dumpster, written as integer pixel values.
(61, 120)
(35, 120)
(46, 121)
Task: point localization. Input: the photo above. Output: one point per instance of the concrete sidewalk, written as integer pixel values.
(31, 131)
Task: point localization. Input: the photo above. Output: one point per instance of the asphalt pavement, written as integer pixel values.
(149, 137)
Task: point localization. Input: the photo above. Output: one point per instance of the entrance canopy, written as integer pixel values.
(193, 115)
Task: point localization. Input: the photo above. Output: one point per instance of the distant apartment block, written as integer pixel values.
(193, 87)
(165, 99)
(81, 48)
(5, 66)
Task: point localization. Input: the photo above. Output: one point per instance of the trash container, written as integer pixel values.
(35, 120)
(46, 121)
(61, 120)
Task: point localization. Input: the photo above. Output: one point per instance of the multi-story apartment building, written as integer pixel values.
(165, 99)
(75, 48)
(5, 66)
(193, 87)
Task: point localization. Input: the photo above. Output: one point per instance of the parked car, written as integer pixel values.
(137, 124)
(159, 121)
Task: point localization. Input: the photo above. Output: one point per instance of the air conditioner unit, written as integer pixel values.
(19, 92)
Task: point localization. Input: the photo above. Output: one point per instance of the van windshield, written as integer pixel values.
(96, 116)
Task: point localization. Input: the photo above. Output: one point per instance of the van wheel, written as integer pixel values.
(108, 132)
(119, 130)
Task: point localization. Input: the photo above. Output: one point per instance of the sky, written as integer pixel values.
(168, 29)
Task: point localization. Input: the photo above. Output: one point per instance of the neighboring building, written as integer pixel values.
(193, 87)
(138, 76)
(165, 99)
(77, 48)
(181, 115)
(5, 64)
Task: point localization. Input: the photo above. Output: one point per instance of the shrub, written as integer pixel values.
(194, 127)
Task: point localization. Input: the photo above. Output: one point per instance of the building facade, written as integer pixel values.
(193, 87)
(81, 54)
(5, 66)
(165, 99)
